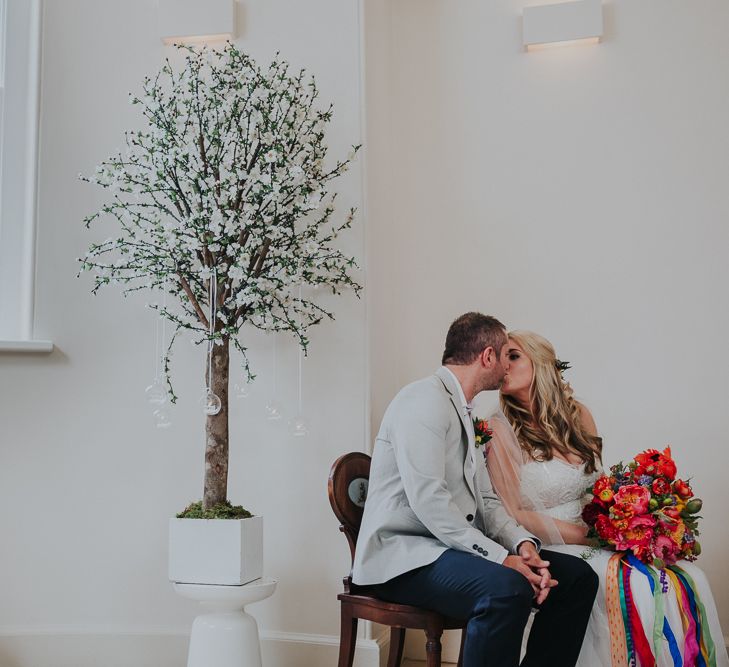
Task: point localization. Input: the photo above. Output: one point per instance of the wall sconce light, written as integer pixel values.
(576, 22)
(196, 21)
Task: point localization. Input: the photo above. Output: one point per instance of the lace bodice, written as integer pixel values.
(556, 488)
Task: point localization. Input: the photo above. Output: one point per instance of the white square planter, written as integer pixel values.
(216, 551)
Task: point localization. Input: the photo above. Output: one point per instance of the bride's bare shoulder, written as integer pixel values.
(588, 422)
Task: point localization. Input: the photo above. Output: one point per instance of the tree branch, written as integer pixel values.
(195, 304)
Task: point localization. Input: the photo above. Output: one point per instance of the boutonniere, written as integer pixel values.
(483, 431)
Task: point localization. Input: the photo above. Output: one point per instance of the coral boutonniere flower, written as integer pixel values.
(483, 431)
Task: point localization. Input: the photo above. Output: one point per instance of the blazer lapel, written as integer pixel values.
(469, 467)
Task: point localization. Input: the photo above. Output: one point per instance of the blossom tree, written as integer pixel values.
(222, 201)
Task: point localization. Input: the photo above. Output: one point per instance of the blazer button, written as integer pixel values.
(475, 546)
(469, 517)
(484, 552)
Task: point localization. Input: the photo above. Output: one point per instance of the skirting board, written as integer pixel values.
(88, 647)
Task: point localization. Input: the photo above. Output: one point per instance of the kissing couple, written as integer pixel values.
(488, 541)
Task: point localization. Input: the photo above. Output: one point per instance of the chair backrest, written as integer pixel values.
(348, 482)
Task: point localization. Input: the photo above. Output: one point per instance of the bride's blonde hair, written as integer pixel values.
(554, 423)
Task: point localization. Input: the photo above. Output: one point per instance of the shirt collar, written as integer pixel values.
(467, 407)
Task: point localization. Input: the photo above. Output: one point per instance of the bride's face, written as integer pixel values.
(519, 370)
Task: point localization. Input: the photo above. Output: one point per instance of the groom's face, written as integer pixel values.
(493, 368)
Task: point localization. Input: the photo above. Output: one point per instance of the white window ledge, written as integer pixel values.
(38, 346)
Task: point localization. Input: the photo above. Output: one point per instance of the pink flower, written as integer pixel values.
(638, 533)
(633, 497)
(665, 549)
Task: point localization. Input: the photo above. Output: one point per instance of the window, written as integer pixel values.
(19, 105)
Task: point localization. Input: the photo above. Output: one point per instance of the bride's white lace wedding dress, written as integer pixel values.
(559, 488)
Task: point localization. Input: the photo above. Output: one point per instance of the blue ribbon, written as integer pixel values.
(667, 632)
(700, 661)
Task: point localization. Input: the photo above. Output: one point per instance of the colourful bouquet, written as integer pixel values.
(643, 508)
(483, 432)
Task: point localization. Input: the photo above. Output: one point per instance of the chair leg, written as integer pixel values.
(348, 637)
(397, 641)
(460, 652)
(432, 647)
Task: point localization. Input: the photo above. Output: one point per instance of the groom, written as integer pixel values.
(434, 533)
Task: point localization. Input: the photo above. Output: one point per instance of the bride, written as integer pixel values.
(543, 456)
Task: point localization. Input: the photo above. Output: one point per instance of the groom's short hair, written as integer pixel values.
(471, 334)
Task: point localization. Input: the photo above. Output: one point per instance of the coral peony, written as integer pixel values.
(665, 549)
(633, 499)
(638, 533)
(603, 488)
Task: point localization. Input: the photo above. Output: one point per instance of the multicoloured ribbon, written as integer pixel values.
(707, 655)
(637, 633)
(661, 622)
(628, 642)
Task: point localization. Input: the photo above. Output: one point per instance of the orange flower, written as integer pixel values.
(652, 462)
(660, 486)
(666, 465)
(603, 488)
(682, 489)
(620, 517)
(646, 462)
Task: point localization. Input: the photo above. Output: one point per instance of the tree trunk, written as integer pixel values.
(216, 431)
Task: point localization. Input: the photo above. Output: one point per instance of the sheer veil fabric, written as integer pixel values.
(520, 493)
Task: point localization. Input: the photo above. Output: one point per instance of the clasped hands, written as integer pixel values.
(530, 565)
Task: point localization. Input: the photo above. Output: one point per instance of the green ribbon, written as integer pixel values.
(626, 619)
(705, 632)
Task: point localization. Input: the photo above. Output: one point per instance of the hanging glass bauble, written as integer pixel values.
(162, 418)
(241, 389)
(298, 426)
(273, 410)
(156, 393)
(210, 403)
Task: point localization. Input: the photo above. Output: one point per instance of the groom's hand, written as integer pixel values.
(530, 565)
(533, 560)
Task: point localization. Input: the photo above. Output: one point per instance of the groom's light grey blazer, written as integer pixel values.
(429, 489)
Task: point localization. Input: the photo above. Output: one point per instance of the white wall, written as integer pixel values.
(88, 481)
(578, 192)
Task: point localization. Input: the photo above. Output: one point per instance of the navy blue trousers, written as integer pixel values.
(497, 600)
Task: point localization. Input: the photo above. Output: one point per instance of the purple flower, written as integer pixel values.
(664, 581)
(645, 480)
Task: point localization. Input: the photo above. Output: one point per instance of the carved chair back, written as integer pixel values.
(347, 487)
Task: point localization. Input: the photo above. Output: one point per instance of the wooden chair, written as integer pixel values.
(348, 481)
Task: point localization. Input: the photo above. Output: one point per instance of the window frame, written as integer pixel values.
(20, 71)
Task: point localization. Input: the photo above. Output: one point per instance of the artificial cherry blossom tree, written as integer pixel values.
(222, 201)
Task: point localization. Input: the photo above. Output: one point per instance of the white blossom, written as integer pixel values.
(248, 203)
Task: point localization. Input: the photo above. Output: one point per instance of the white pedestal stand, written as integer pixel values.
(226, 636)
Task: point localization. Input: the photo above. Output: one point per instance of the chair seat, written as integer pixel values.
(398, 615)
